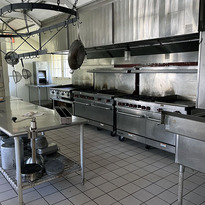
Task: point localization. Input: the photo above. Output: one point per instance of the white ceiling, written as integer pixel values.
(34, 18)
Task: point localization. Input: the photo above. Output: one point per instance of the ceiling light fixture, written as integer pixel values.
(127, 54)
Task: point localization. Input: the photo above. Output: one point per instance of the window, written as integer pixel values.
(60, 67)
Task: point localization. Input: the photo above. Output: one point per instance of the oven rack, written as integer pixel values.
(70, 166)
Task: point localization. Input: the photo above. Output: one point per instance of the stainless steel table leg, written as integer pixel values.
(39, 95)
(18, 170)
(180, 186)
(81, 152)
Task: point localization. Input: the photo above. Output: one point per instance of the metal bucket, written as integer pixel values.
(8, 160)
(8, 156)
(2, 137)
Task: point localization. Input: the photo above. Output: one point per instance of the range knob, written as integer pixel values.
(127, 104)
(99, 99)
(135, 106)
(107, 100)
(119, 103)
(139, 106)
(159, 109)
(130, 105)
(63, 93)
(53, 92)
(143, 107)
(148, 108)
(57, 92)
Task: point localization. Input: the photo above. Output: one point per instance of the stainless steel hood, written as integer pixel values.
(175, 44)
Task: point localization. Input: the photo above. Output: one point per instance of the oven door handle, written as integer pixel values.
(131, 115)
(104, 108)
(86, 104)
(154, 120)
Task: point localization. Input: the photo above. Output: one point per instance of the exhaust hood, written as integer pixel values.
(175, 44)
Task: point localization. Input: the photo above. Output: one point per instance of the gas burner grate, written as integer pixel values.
(169, 98)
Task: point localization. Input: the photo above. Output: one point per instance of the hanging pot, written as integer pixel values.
(11, 58)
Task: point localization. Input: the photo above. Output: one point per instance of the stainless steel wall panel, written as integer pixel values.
(96, 27)
(122, 82)
(162, 84)
(146, 19)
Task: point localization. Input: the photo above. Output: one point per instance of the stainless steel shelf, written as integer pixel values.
(69, 167)
(165, 71)
(112, 70)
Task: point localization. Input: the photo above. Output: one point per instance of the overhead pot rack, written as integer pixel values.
(29, 7)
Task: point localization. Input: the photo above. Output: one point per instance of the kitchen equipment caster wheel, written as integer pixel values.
(113, 133)
(121, 138)
(147, 147)
(99, 129)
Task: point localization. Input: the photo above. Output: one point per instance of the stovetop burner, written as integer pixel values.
(113, 92)
(169, 98)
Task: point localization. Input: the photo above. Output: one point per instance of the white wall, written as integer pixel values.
(20, 89)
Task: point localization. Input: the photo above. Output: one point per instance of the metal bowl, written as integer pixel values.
(39, 160)
(31, 172)
(41, 142)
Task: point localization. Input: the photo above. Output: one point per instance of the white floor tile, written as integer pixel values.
(105, 200)
(54, 198)
(130, 200)
(116, 173)
(79, 199)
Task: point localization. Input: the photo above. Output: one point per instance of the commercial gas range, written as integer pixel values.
(98, 107)
(64, 94)
(139, 119)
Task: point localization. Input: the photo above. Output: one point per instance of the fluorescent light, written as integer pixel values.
(127, 55)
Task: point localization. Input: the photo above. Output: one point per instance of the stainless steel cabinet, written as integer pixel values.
(132, 123)
(103, 114)
(155, 130)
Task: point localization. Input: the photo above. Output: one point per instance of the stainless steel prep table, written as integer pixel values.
(190, 142)
(39, 90)
(16, 108)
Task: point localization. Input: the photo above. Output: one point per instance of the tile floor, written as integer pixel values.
(116, 173)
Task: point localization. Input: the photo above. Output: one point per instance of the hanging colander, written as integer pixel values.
(25, 72)
(16, 76)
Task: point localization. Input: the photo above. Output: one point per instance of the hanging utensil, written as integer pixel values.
(76, 52)
(11, 58)
(25, 72)
(16, 76)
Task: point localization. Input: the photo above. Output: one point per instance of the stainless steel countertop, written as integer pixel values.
(192, 126)
(41, 85)
(16, 108)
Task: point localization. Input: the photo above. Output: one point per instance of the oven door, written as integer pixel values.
(96, 112)
(156, 131)
(131, 122)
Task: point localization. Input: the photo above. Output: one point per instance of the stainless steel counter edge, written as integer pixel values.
(187, 125)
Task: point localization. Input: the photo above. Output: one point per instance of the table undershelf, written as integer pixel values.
(69, 167)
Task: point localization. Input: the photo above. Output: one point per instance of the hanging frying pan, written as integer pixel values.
(76, 52)
(25, 72)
